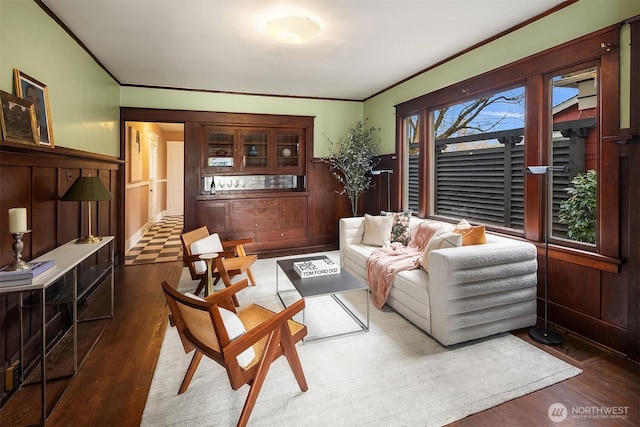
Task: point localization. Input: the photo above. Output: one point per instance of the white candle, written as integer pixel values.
(17, 220)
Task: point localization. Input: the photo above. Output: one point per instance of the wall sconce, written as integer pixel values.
(87, 189)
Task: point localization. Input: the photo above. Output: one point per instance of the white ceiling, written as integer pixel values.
(221, 45)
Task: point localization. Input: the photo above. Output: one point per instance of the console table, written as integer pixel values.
(67, 258)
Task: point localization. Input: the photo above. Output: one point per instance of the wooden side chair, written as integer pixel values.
(231, 261)
(244, 343)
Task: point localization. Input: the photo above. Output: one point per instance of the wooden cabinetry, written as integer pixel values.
(272, 222)
(229, 149)
(258, 165)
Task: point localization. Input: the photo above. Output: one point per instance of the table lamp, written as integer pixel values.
(87, 189)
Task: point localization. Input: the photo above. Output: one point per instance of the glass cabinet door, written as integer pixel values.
(254, 149)
(219, 148)
(289, 152)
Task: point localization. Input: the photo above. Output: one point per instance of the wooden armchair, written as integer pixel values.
(206, 325)
(231, 262)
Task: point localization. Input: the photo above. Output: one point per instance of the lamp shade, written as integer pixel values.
(86, 189)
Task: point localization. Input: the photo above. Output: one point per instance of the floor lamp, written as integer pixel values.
(544, 335)
(87, 189)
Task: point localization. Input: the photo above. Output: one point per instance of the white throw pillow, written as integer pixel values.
(377, 230)
(235, 328)
(442, 238)
(209, 244)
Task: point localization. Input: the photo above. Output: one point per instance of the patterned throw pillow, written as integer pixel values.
(400, 231)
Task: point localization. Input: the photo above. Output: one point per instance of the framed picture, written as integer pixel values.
(135, 155)
(18, 119)
(32, 90)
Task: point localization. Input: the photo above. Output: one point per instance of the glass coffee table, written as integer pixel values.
(328, 285)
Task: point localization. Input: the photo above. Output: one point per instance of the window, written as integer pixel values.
(574, 146)
(482, 133)
(412, 144)
(478, 163)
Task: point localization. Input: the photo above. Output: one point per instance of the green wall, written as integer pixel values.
(84, 99)
(332, 118)
(583, 17)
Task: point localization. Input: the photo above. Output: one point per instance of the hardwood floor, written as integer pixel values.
(111, 387)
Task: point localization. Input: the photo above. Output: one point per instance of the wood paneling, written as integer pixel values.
(35, 178)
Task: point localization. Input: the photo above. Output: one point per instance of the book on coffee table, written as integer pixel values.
(316, 267)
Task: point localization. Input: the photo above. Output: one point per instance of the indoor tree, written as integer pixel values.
(351, 159)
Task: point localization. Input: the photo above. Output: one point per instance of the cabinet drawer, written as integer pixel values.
(292, 233)
(256, 224)
(255, 204)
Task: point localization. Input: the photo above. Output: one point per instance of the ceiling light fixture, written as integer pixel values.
(293, 29)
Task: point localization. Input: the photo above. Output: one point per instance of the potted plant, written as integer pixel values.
(352, 158)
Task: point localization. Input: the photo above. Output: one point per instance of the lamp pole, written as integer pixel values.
(544, 335)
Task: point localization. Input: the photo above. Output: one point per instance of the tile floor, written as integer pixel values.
(160, 244)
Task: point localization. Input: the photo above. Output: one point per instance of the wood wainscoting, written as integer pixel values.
(34, 177)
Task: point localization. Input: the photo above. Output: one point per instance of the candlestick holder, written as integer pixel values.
(18, 245)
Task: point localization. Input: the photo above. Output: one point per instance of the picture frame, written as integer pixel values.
(135, 155)
(32, 90)
(18, 119)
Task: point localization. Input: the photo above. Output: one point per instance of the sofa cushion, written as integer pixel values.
(443, 238)
(471, 235)
(400, 230)
(377, 230)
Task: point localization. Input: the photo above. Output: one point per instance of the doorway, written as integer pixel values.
(153, 175)
(155, 191)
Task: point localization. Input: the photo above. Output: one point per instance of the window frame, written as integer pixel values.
(601, 47)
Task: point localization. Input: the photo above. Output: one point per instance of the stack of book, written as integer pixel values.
(316, 267)
(26, 276)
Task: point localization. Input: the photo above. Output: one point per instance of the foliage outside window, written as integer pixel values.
(578, 212)
(352, 158)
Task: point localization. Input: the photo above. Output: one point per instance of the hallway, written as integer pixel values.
(161, 243)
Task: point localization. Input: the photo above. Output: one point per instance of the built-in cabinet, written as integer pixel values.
(253, 179)
(273, 222)
(229, 149)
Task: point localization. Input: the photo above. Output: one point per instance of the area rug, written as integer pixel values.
(393, 375)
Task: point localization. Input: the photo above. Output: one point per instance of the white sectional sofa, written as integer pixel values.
(470, 291)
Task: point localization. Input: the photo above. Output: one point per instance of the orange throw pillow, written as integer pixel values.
(471, 235)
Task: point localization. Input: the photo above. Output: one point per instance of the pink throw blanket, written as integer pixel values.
(383, 264)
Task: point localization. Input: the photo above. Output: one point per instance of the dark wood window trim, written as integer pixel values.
(600, 47)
